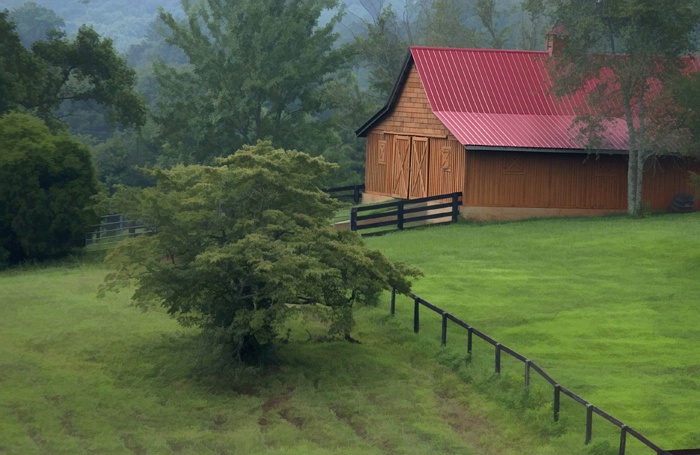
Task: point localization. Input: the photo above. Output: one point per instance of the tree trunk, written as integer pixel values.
(633, 203)
(634, 178)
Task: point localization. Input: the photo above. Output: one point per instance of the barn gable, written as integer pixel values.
(410, 153)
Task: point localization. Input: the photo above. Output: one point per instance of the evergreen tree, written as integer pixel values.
(257, 70)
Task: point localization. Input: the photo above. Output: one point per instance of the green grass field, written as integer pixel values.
(609, 307)
(81, 375)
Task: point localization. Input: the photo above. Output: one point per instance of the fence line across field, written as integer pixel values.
(530, 366)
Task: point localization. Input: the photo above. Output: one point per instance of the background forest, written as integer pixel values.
(371, 37)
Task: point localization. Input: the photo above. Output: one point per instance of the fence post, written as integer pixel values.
(623, 439)
(470, 337)
(455, 207)
(443, 340)
(399, 216)
(353, 219)
(557, 401)
(527, 374)
(589, 423)
(356, 194)
(393, 301)
(416, 315)
(498, 358)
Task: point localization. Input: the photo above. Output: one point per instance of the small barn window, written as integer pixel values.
(515, 165)
(445, 162)
(382, 152)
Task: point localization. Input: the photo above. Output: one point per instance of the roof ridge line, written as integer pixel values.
(476, 49)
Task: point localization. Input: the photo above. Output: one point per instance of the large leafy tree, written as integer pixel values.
(257, 69)
(61, 70)
(46, 185)
(632, 49)
(86, 67)
(241, 244)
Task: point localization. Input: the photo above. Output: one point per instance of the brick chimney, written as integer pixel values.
(556, 40)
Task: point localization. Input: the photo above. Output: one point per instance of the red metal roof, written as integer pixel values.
(501, 98)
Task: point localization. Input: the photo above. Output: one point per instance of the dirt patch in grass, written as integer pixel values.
(470, 427)
(287, 414)
(347, 417)
(133, 446)
(272, 403)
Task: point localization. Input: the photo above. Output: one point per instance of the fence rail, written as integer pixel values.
(398, 214)
(530, 366)
(352, 193)
(112, 229)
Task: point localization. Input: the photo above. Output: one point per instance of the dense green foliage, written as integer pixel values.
(257, 70)
(16, 66)
(638, 45)
(60, 70)
(120, 160)
(46, 184)
(240, 244)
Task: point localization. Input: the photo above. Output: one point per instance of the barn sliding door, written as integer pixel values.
(418, 176)
(410, 176)
(401, 160)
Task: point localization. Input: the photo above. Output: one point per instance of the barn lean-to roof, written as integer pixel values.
(497, 99)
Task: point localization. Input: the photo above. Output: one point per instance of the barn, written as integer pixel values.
(484, 122)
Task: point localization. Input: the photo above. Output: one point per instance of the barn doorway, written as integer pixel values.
(410, 176)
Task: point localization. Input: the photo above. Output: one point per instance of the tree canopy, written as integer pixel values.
(633, 49)
(257, 70)
(46, 185)
(241, 244)
(59, 70)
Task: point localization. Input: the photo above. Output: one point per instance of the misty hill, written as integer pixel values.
(125, 21)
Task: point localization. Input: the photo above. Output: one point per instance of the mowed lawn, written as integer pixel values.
(610, 307)
(81, 375)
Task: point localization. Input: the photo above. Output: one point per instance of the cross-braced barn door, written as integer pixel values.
(418, 186)
(401, 160)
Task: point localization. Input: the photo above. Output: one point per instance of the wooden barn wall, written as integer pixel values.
(412, 115)
(664, 177)
(446, 168)
(545, 180)
(376, 169)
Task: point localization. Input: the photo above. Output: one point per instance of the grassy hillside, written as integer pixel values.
(82, 375)
(609, 307)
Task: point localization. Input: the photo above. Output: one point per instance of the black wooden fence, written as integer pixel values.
(352, 193)
(398, 214)
(530, 366)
